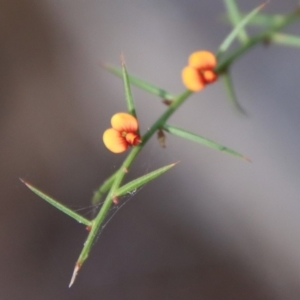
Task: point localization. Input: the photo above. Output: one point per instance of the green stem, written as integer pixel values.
(263, 36)
(115, 180)
(162, 120)
(119, 175)
(103, 188)
(158, 124)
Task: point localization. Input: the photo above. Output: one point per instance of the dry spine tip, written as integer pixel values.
(75, 272)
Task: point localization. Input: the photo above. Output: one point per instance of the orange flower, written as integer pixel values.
(199, 71)
(122, 134)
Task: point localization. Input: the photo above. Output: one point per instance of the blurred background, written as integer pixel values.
(214, 227)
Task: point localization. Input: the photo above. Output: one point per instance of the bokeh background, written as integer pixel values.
(214, 227)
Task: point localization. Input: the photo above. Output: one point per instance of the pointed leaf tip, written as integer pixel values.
(202, 140)
(231, 92)
(122, 58)
(58, 205)
(264, 4)
(25, 182)
(247, 159)
(75, 273)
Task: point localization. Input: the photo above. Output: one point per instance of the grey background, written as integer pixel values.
(215, 227)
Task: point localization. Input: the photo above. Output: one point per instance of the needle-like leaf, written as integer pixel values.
(127, 89)
(231, 93)
(262, 19)
(136, 183)
(152, 89)
(199, 139)
(285, 39)
(233, 34)
(58, 205)
(234, 17)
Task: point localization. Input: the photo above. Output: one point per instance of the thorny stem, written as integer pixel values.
(105, 186)
(115, 180)
(221, 68)
(261, 37)
(118, 177)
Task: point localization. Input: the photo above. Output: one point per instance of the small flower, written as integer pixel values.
(199, 71)
(122, 134)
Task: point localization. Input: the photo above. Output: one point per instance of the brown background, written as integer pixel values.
(214, 227)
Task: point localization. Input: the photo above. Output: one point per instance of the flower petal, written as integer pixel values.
(114, 141)
(192, 79)
(202, 60)
(124, 122)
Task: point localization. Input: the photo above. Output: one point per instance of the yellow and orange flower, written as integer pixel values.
(199, 71)
(122, 134)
